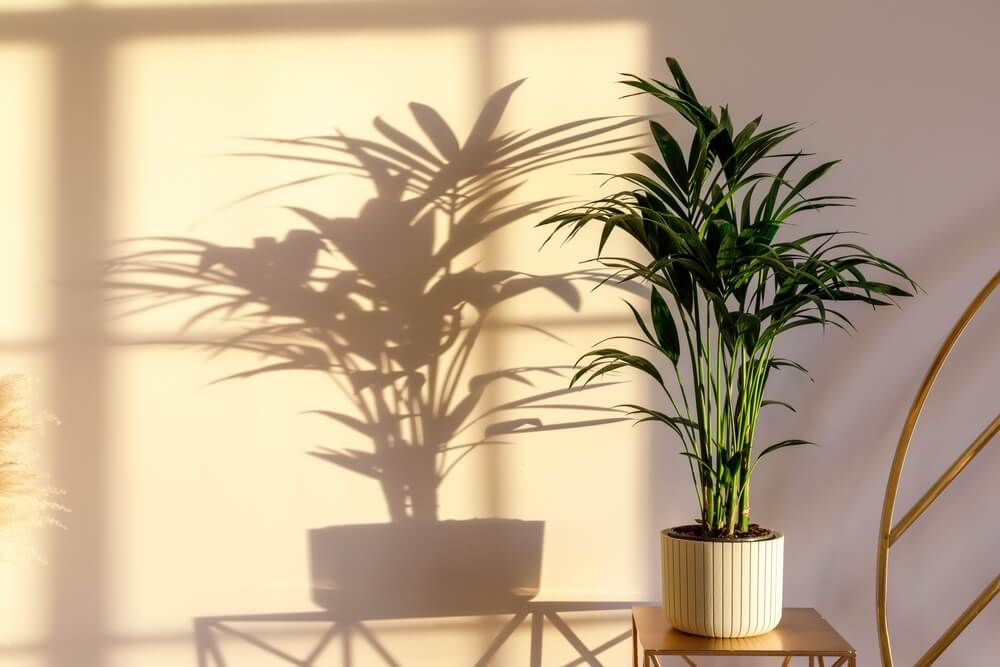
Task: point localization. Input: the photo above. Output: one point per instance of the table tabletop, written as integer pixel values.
(801, 632)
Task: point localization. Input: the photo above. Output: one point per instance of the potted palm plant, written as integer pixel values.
(723, 287)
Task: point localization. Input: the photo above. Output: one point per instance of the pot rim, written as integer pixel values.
(672, 532)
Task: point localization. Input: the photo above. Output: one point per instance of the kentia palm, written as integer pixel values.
(723, 288)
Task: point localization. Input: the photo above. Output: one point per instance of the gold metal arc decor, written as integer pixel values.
(889, 534)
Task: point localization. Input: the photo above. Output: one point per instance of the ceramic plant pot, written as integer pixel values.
(722, 588)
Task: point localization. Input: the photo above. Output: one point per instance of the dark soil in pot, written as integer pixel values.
(698, 532)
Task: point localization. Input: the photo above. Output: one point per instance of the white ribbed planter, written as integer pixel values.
(722, 588)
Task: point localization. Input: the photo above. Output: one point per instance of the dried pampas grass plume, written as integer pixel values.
(25, 498)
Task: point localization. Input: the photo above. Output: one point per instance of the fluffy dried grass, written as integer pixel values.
(25, 497)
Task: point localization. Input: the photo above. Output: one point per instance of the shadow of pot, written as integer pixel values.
(419, 568)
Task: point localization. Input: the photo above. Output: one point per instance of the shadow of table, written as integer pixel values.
(345, 629)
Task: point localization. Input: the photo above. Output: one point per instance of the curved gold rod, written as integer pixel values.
(947, 478)
(892, 487)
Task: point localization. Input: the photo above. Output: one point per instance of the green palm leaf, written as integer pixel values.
(723, 287)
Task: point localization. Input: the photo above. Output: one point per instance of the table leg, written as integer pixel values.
(821, 663)
(635, 645)
(787, 661)
(537, 630)
(346, 646)
(201, 640)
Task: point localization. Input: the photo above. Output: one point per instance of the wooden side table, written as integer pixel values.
(801, 633)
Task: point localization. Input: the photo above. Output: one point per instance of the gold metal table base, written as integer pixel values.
(802, 633)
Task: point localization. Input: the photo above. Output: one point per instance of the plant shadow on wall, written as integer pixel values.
(390, 306)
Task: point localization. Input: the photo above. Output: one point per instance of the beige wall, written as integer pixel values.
(192, 500)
